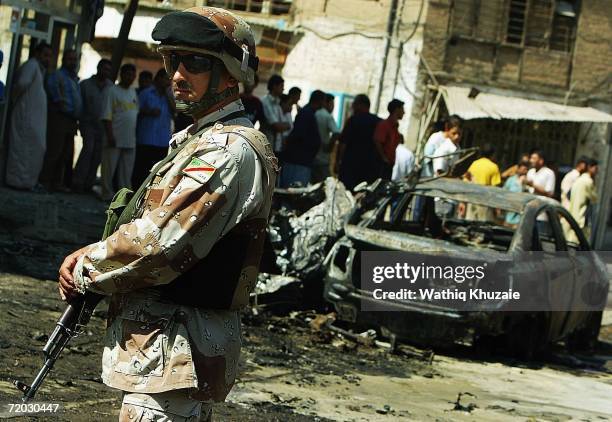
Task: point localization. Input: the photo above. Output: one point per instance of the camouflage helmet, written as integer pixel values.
(211, 31)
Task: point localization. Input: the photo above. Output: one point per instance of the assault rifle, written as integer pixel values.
(70, 325)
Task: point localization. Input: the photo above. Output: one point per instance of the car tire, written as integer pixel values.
(586, 337)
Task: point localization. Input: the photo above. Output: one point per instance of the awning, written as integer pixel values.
(493, 106)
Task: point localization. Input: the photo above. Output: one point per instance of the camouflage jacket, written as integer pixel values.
(221, 178)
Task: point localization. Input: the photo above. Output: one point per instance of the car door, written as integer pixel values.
(561, 274)
(578, 250)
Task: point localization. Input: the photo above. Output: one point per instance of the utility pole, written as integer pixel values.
(388, 37)
(122, 39)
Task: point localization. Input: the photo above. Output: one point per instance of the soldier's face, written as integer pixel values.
(188, 86)
(192, 85)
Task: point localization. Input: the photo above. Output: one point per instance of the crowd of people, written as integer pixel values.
(311, 146)
(532, 174)
(125, 130)
(577, 192)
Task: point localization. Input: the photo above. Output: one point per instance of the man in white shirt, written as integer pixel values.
(540, 179)
(583, 196)
(119, 116)
(445, 156)
(329, 132)
(451, 129)
(570, 178)
(404, 162)
(273, 127)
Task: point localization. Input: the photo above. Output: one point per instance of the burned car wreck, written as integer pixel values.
(327, 228)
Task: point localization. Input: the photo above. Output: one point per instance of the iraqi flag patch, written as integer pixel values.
(199, 170)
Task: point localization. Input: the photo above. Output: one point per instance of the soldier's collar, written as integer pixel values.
(208, 120)
(233, 107)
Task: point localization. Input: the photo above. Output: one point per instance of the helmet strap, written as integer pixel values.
(211, 96)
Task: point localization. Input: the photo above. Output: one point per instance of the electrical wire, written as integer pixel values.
(342, 34)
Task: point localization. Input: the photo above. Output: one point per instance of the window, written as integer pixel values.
(543, 233)
(538, 23)
(549, 24)
(516, 21)
(564, 23)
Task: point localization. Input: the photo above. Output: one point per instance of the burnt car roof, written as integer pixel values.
(491, 196)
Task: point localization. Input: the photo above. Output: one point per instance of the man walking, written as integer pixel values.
(357, 159)
(119, 116)
(483, 171)
(28, 128)
(445, 155)
(540, 179)
(65, 106)
(91, 127)
(153, 131)
(387, 137)
(302, 144)
(570, 178)
(273, 127)
(329, 132)
(404, 162)
(187, 258)
(583, 195)
(515, 183)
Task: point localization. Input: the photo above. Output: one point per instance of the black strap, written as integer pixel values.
(130, 209)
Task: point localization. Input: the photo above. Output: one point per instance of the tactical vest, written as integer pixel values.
(225, 277)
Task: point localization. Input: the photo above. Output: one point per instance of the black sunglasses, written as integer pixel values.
(194, 63)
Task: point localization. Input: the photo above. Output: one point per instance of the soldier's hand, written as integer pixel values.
(67, 288)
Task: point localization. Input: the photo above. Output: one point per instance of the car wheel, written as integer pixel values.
(585, 337)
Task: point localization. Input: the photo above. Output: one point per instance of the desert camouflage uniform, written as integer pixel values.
(221, 178)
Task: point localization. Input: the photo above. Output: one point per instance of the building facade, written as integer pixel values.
(545, 57)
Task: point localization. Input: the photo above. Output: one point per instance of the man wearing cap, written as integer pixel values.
(187, 258)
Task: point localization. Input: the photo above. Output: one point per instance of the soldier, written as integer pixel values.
(187, 259)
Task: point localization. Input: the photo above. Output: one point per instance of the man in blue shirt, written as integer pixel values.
(515, 184)
(302, 144)
(64, 108)
(154, 126)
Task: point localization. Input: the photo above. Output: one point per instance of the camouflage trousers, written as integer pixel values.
(170, 406)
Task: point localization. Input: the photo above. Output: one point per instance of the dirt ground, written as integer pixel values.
(290, 372)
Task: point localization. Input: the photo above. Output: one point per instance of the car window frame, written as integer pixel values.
(584, 243)
(555, 225)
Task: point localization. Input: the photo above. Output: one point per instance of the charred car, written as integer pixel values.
(429, 217)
